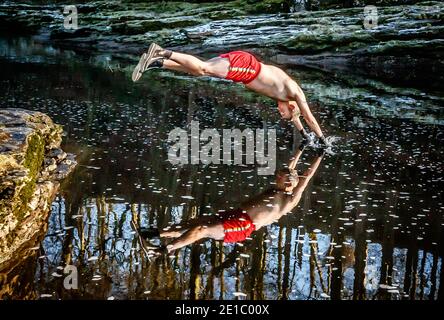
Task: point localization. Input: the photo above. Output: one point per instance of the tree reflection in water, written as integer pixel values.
(368, 226)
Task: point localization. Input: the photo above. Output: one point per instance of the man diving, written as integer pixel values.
(239, 66)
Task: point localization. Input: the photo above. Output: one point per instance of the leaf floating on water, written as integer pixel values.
(93, 258)
(187, 197)
(110, 298)
(45, 295)
(316, 231)
(91, 167)
(387, 287)
(239, 294)
(57, 275)
(324, 295)
(147, 292)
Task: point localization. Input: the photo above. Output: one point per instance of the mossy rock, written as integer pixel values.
(27, 140)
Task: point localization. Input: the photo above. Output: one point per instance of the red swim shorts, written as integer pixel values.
(244, 67)
(237, 225)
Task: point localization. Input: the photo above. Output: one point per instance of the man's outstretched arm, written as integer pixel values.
(302, 184)
(298, 124)
(300, 99)
(307, 175)
(294, 160)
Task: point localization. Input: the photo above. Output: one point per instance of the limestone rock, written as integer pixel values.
(31, 167)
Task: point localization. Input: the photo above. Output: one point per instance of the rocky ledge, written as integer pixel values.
(407, 34)
(31, 168)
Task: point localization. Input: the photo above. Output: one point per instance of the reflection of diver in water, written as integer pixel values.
(236, 225)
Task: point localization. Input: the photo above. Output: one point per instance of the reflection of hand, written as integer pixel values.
(303, 145)
(323, 142)
(321, 152)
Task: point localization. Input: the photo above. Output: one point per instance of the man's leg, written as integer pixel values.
(171, 65)
(216, 67)
(177, 230)
(215, 231)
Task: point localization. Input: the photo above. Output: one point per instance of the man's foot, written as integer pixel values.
(146, 60)
(149, 233)
(159, 250)
(155, 64)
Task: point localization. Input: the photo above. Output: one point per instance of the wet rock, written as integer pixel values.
(31, 167)
(56, 153)
(322, 38)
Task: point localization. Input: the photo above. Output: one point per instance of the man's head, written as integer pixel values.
(287, 109)
(286, 179)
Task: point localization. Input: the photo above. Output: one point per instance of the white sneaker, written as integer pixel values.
(145, 60)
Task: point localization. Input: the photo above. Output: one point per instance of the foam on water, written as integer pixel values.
(313, 142)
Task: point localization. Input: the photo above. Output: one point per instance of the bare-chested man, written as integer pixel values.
(236, 225)
(239, 66)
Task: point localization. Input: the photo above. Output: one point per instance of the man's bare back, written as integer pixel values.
(273, 82)
(268, 207)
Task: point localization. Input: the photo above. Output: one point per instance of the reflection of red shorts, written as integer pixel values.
(237, 225)
(244, 67)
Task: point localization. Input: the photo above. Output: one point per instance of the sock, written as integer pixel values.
(156, 64)
(167, 53)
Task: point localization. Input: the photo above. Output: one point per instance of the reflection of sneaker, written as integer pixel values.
(160, 250)
(149, 233)
(146, 60)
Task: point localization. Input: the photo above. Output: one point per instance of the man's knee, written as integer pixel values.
(199, 231)
(205, 69)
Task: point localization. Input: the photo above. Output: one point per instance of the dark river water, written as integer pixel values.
(368, 226)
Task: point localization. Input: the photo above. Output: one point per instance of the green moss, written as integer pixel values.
(33, 162)
(265, 6)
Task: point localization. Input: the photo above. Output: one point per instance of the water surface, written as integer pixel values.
(369, 224)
